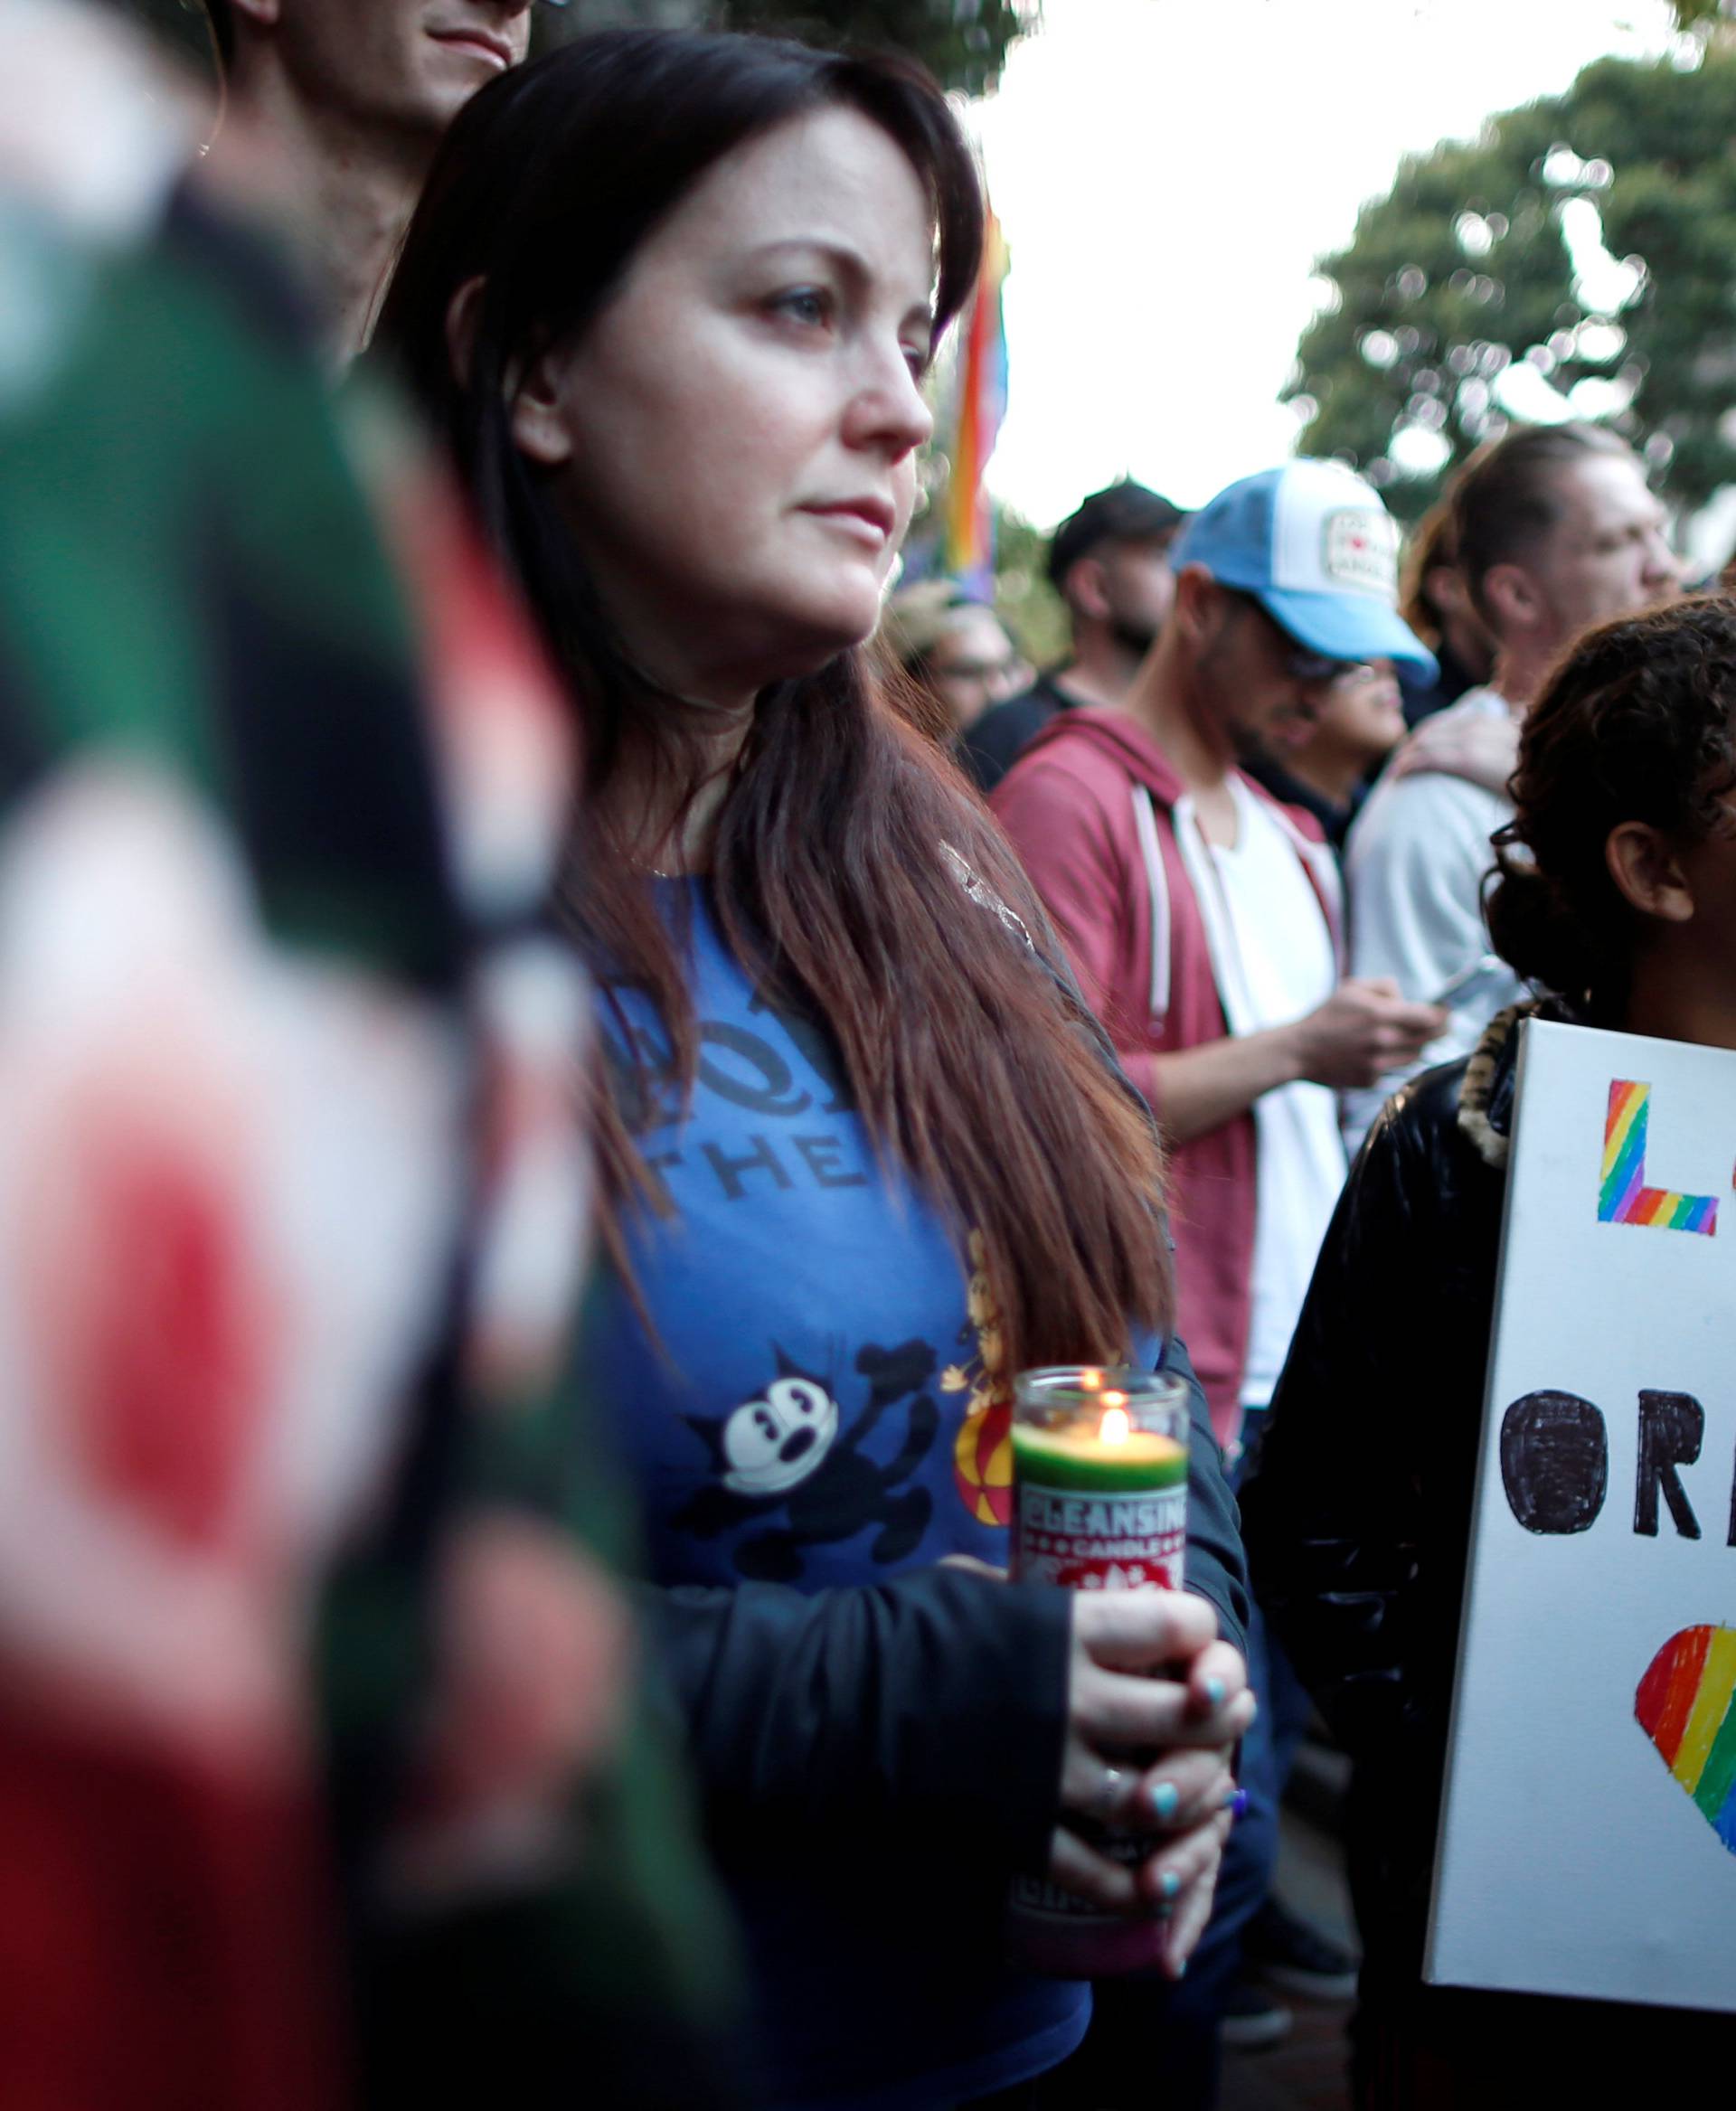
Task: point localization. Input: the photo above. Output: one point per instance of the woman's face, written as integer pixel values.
(732, 441)
(1365, 711)
(1358, 720)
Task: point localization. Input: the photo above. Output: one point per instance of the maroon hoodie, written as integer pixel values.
(1107, 862)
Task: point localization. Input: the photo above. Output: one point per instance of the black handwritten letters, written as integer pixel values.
(1555, 1461)
(1672, 1428)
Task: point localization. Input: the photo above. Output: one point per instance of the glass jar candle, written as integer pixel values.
(1099, 1503)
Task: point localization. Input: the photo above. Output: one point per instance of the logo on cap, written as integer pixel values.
(1359, 551)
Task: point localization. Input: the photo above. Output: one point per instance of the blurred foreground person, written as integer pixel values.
(291, 1222)
(1556, 529)
(956, 651)
(1110, 562)
(341, 104)
(670, 300)
(1616, 894)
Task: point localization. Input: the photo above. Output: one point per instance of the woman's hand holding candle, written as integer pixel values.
(1155, 1701)
(1181, 1881)
(1149, 1676)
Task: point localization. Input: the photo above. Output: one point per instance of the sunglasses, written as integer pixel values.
(1305, 667)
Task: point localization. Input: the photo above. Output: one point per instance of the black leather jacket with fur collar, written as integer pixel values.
(1357, 1513)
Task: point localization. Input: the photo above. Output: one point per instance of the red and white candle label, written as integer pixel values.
(1099, 1542)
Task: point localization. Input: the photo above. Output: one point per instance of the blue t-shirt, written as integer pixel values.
(828, 1409)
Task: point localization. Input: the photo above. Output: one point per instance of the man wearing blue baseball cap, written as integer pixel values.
(1202, 919)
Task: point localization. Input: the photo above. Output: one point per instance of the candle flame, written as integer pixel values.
(1117, 1425)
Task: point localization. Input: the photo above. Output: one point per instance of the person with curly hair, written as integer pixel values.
(1615, 897)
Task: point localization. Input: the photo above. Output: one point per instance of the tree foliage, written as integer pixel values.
(1591, 237)
(1034, 613)
(964, 43)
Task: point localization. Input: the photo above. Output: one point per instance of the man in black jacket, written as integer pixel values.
(1110, 562)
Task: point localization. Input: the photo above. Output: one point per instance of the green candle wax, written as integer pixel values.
(1078, 1457)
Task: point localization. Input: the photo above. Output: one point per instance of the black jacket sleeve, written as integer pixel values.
(1330, 1509)
(1216, 1567)
(933, 1704)
(1358, 1511)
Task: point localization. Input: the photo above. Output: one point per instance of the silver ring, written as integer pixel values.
(1109, 1794)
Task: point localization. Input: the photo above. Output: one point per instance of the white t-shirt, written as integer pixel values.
(1272, 956)
(1414, 868)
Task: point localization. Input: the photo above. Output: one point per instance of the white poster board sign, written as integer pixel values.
(1588, 1842)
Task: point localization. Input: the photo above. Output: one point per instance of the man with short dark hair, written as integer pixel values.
(350, 97)
(1109, 563)
(1556, 529)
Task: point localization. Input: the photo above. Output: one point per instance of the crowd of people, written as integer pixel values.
(567, 1042)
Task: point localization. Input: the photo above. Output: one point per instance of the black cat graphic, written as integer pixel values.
(783, 1452)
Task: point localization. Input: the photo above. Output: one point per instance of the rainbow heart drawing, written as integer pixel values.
(1687, 1704)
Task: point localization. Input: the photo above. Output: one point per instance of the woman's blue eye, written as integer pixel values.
(806, 304)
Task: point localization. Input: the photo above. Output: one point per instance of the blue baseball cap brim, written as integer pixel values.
(1347, 627)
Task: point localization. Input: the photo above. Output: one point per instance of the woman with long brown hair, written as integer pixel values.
(669, 300)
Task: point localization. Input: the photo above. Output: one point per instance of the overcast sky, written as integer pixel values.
(1167, 172)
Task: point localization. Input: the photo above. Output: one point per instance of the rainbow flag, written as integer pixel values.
(967, 544)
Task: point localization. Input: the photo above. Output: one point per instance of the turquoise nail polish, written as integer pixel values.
(1216, 1692)
(1166, 1800)
(1170, 1885)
